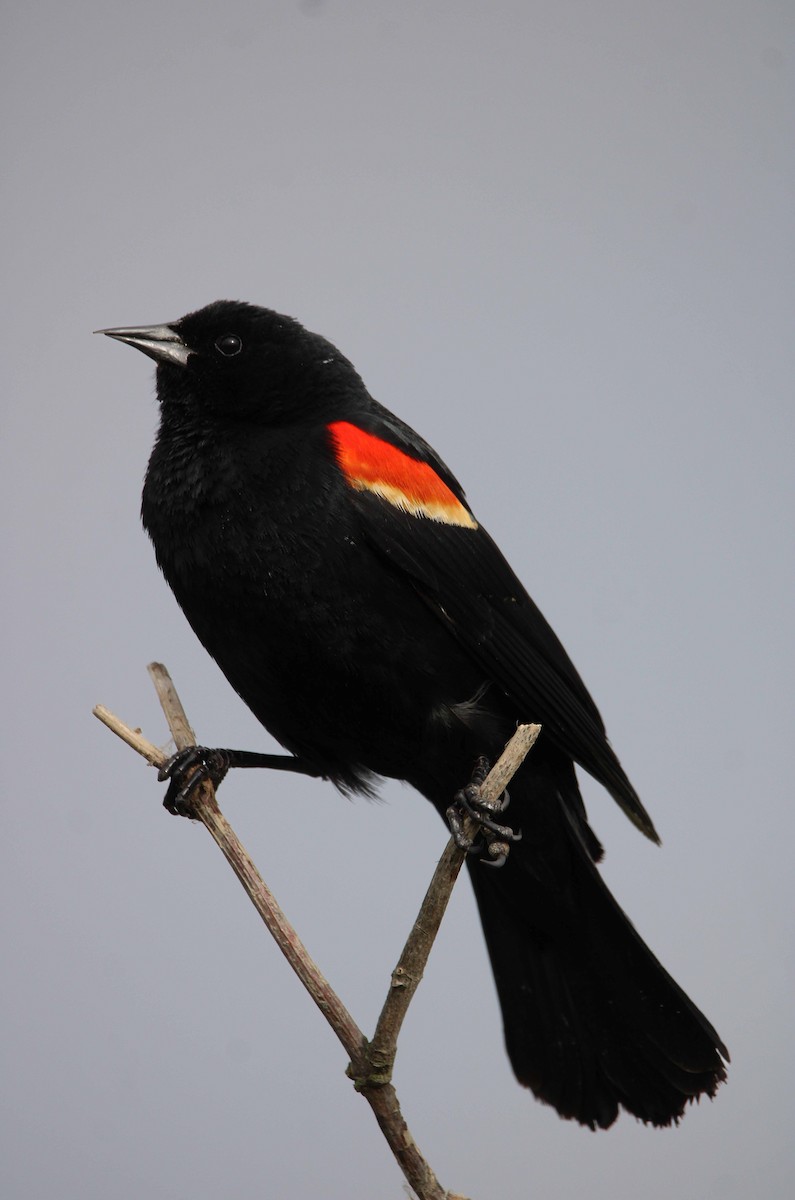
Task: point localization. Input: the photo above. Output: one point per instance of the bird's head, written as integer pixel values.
(237, 361)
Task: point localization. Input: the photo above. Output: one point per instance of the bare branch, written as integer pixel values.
(172, 708)
(382, 1100)
(411, 965)
(133, 737)
(370, 1066)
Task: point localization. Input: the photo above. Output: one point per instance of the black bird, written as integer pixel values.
(327, 559)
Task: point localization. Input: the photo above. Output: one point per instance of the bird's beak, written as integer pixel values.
(160, 342)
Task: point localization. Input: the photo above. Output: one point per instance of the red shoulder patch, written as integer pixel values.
(371, 464)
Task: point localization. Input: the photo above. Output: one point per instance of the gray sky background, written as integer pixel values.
(557, 238)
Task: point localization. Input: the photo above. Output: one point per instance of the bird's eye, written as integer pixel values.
(228, 345)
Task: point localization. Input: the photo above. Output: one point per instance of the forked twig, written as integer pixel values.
(370, 1062)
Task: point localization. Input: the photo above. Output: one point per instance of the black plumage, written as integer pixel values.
(327, 559)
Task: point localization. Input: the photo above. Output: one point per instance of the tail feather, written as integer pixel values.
(593, 1022)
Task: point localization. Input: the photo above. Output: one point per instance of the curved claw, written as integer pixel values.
(179, 762)
(476, 809)
(494, 840)
(186, 770)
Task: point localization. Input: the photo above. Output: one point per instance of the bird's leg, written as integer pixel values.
(186, 769)
(493, 842)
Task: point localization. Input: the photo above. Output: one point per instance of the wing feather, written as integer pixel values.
(462, 575)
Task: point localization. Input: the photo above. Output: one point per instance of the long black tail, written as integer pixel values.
(593, 1022)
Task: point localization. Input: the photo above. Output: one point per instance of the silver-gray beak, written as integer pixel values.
(160, 342)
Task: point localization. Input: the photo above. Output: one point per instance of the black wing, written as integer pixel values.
(461, 575)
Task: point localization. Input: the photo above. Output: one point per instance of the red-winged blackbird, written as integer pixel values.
(328, 561)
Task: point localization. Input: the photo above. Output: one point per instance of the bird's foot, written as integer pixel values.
(493, 841)
(186, 770)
